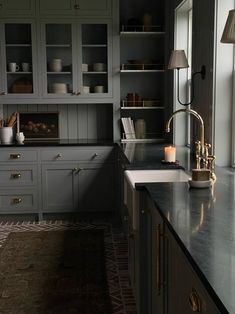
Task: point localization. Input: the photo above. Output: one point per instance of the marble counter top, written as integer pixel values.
(203, 221)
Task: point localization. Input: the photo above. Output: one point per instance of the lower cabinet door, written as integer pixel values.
(60, 187)
(187, 294)
(96, 187)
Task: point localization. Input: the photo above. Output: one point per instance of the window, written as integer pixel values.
(183, 40)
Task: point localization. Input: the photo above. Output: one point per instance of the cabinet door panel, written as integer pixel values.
(181, 291)
(19, 46)
(96, 188)
(59, 188)
(14, 7)
(91, 7)
(55, 7)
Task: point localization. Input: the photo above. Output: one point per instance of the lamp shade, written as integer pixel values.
(228, 35)
(178, 60)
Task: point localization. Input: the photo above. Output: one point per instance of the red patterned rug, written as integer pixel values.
(115, 293)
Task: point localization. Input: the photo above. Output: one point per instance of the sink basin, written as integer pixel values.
(148, 176)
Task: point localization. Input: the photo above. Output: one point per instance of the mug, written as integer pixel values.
(25, 66)
(6, 135)
(56, 65)
(13, 67)
(86, 89)
(99, 89)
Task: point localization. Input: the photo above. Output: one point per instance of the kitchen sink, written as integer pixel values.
(131, 195)
(151, 176)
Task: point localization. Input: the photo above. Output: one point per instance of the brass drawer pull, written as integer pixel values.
(17, 200)
(15, 156)
(15, 176)
(195, 301)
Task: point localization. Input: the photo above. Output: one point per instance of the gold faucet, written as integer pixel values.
(202, 154)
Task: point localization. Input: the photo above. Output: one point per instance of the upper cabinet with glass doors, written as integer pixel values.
(76, 60)
(18, 60)
(75, 7)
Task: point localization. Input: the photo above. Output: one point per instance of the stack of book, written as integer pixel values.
(128, 126)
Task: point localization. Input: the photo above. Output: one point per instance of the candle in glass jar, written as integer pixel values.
(169, 153)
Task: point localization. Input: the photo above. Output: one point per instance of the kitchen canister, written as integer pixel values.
(140, 128)
(6, 135)
(56, 65)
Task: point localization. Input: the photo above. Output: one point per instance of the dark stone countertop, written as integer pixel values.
(202, 220)
(61, 142)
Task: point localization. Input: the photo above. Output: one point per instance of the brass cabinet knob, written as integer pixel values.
(15, 176)
(2, 93)
(195, 301)
(75, 169)
(76, 93)
(17, 200)
(76, 7)
(58, 156)
(15, 156)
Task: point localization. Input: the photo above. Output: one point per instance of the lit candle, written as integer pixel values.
(169, 153)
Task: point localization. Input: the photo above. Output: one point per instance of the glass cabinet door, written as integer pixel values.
(19, 67)
(58, 66)
(95, 60)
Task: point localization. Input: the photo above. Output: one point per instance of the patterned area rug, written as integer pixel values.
(115, 255)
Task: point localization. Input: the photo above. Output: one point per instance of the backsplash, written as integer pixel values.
(83, 121)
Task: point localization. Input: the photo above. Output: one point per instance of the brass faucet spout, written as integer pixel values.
(194, 113)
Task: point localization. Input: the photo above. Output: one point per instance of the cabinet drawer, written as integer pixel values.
(17, 155)
(18, 201)
(70, 154)
(18, 175)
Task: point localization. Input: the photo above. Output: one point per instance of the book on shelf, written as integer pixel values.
(128, 127)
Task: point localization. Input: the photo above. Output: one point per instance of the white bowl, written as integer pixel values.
(59, 88)
(200, 184)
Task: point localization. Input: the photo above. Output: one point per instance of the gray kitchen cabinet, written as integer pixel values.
(18, 47)
(59, 188)
(166, 281)
(186, 292)
(88, 76)
(17, 8)
(79, 180)
(78, 188)
(75, 7)
(19, 181)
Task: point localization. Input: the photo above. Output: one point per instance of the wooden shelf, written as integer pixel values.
(142, 108)
(18, 45)
(59, 73)
(94, 72)
(142, 71)
(59, 46)
(141, 34)
(95, 46)
(144, 140)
